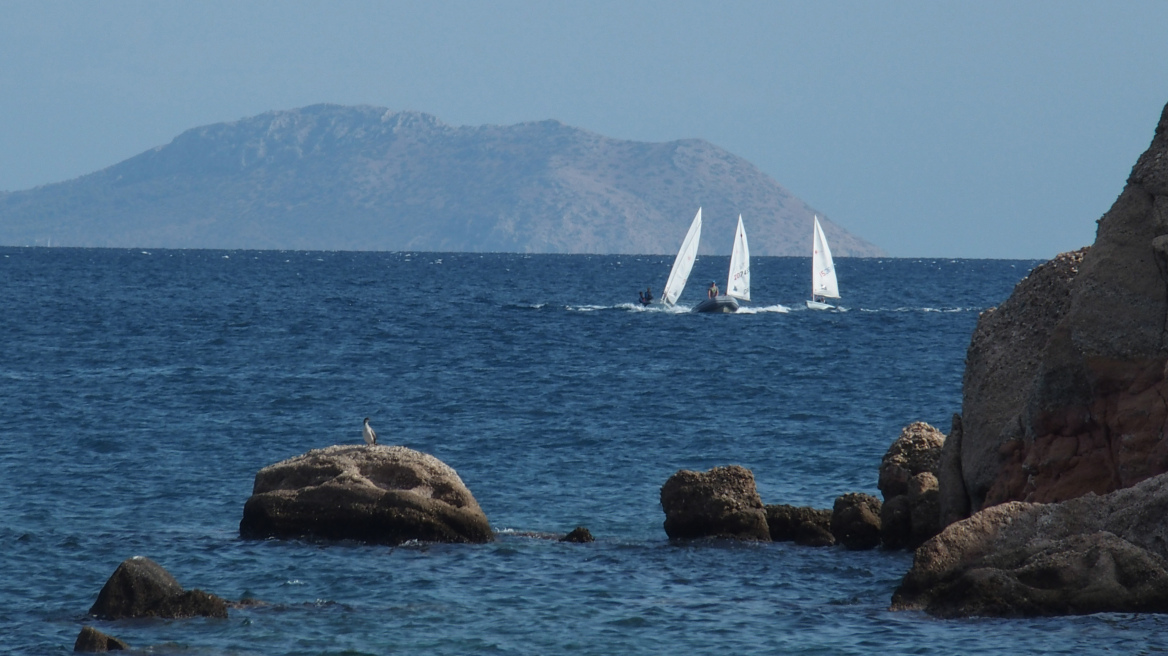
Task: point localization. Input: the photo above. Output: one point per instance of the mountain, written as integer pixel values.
(328, 177)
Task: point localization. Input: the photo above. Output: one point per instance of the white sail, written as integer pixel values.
(738, 284)
(683, 263)
(823, 281)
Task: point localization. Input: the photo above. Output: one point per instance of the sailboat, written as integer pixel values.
(683, 263)
(823, 281)
(737, 281)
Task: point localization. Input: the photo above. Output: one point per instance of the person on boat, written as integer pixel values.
(712, 292)
(648, 296)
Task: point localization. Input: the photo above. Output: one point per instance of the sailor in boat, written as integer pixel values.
(646, 296)
(712, 292)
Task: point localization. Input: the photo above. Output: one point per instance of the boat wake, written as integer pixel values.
(924, 309)
(766, 309)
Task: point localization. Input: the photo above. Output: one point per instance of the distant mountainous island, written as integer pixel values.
(330, 177)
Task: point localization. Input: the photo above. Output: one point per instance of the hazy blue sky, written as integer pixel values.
(976, 129)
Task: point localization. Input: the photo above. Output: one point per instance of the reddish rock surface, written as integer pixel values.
(1065, 387)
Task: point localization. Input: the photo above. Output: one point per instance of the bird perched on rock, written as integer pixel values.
(368, 434)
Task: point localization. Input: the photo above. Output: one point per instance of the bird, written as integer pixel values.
(368, 434)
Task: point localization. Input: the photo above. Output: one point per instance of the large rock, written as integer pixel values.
(809, 527)
(855, 521)
(1065, 383)
(140, 587)
(1003, 357)
(722, 502)
(379, 494)
(92, 640)
(1091, 554)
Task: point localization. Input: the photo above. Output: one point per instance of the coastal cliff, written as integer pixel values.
(1066, 385)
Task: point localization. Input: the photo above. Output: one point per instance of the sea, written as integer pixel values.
(142, 389)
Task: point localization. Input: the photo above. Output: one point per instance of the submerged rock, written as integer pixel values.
(92, 640)
(140, 587)
(1091, 554)
(379, 494)
(722, 502)
(809, 527)
(579, 534)
(855, 521)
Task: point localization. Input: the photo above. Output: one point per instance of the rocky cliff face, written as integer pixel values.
(365, 178)
(1065, 389)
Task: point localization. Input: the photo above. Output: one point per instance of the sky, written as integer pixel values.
(933, 129)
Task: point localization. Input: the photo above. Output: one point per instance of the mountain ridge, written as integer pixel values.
(331, 177)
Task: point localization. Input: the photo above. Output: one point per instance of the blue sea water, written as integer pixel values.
(142, 390)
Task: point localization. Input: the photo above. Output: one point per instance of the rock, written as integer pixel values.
(952, 498)
(1004, 355)
(579, 534)
(804, 526)
(722, 502)
(918, 449)
(855, 521)
(924, 508)
(909, 485)
(140, 587)
(379, 494)
(1091, 554)
(90, 639)
(1065, 384)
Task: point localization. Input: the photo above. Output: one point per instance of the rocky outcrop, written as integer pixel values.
(1091, 554)
(140, 587)
(855, 521)
(909, 514)
(722, 502)
(579, 535)
(92, 640)
(1003, 358)
(379, 494)
(1066, 384)
(808, 527)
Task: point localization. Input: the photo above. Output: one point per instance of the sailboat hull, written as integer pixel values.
(726, 304)
(816, 305)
